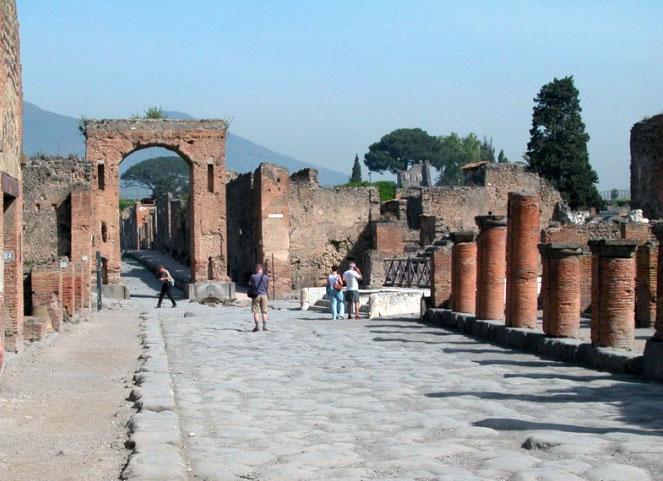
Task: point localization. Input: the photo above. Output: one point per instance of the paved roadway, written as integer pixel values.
(392, 399)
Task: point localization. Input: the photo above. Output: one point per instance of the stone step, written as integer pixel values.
(325, 305)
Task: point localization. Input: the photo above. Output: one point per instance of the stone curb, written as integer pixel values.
(154, 430)
(566, 350)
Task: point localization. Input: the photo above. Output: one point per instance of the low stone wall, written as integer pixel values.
(567, 350)
(381, 303)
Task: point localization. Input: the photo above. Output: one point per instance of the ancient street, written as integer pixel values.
(391, 399)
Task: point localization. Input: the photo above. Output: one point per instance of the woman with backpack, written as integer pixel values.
(335, 293)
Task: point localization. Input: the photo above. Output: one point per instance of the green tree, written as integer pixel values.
(160, 175)
(401, 148)
(487, 151)
(456, 151)
(501, 158)
(557, 149)
(155, 113)
(355, 178)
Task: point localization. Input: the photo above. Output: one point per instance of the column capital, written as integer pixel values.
(464, 236)
(558, 250)
(490, 221)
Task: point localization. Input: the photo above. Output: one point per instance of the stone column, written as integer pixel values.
(613, 304)
(441, 275)
(646, 262)
(560, 289)
(523, 228)
(464, 272)
(491, 266)
(653, 356)
(658, 335)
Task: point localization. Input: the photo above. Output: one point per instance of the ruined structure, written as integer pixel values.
(11, 109)
(201, 143)
(293, 225)
(57, 258)
(418, 175)
(647, 166)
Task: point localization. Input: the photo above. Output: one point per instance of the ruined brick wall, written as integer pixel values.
(241, 215)
(327, 225)
(48, 183)
(11, 125)
(647, 167)
(486, 189)
(202, 144)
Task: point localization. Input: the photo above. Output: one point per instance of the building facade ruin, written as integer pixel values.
(201, 143)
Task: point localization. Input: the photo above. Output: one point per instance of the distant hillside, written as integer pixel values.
(50, 133)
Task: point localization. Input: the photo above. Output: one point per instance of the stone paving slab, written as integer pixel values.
(395, 399)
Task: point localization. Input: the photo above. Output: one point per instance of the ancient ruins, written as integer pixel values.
(500, 258)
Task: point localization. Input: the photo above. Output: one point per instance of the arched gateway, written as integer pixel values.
(202, 144)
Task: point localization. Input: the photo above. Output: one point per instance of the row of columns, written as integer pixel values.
(494, 275)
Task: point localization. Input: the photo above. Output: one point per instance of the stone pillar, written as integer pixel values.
(464, 272)
(613, 293)
(491, 266)
(560, 289)
(653, 357)
(523, 227)
(646, 262)
(440, 285)
(658, 335)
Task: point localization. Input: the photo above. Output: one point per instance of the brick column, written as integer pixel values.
(523, 228)
(441, 275)
(464, 272)
(658, 335)
(613, 293)
(491, 266)
(646, 266)
(560, 289)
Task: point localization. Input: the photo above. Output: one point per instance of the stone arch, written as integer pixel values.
(201, 143)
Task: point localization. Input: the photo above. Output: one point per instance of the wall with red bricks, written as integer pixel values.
(202, 144)
(11, 126)
(441, 272)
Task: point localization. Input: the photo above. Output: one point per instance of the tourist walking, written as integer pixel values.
(167, 283)
(352, 277)
(258, 287)
(335, 293)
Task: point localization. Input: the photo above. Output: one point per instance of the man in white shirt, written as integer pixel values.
(352, 277)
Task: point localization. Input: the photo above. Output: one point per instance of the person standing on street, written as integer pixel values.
(352, 277)
(167, 283)
(335, 293)
(258, 287)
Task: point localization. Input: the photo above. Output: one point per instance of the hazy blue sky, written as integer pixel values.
(322, 80)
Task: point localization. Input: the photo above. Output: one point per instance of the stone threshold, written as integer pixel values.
(572, 351)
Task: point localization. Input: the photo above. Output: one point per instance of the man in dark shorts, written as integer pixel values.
(352, 277)
(259, 284)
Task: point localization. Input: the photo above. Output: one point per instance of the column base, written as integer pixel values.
(652, 368)
(203, 290)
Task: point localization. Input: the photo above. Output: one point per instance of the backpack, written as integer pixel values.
(338, 284)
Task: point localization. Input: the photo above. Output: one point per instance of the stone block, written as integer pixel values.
(198, 291)
(115, 291)
(652, 367)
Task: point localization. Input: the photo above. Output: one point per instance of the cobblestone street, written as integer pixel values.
(393, 399)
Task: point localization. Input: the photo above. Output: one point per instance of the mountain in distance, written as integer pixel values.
(49, 133)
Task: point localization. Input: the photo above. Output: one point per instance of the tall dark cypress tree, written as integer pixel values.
(355, 178)
(557, 149)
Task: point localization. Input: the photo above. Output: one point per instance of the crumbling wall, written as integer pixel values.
(48, 183)
(486, 189)
(647, 167)
(241, 215)
(327, 225)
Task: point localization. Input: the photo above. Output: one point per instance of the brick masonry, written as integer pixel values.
(11, 111)
(202, 144)
(491, 267)
(464, 272)
(441, 276)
